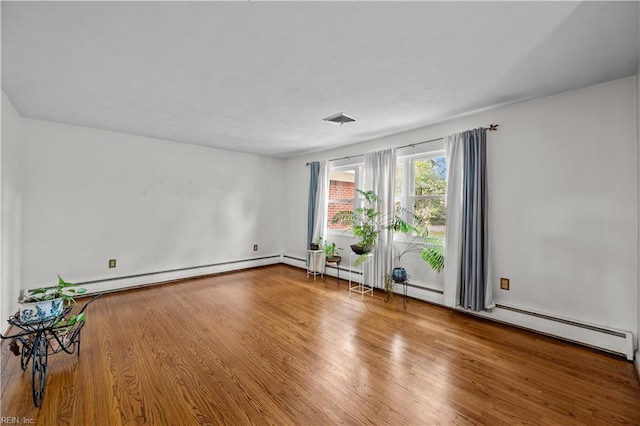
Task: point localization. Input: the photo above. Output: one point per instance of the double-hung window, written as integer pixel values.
(421, 186)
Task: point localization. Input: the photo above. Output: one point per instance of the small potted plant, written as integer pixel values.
(44, 304)
(330, 250)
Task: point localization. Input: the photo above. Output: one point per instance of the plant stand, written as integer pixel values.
(39, 339)
(361, 287)
(405, 289)
(336, 260)
(314, 263)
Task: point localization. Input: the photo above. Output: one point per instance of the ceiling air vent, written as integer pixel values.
(340, 118)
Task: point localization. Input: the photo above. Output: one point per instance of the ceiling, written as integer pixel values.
(259, 77)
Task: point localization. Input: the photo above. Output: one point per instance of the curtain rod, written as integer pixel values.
(491, 128)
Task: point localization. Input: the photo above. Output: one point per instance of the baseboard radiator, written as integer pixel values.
(159, 277)
(619, 342)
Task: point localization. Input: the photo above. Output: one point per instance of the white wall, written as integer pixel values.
(563, 182)
(637, 357)
(153, 205)
(11, 207)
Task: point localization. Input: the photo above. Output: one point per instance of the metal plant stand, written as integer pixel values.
(39, 339)
(361, 287)
(405, 296)
(336, 260)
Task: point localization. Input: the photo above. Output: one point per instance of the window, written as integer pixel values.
(421, 186)
(343, 182)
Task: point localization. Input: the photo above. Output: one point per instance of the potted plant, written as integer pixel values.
(430, 249)
(47, 303)
(330, 250)
(366, 222)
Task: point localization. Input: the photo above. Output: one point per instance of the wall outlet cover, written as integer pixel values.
(504, 283)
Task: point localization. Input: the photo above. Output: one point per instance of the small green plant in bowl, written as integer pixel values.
(47, 303)
(330, 250)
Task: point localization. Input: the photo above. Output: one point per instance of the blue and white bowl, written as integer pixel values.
(40, 311)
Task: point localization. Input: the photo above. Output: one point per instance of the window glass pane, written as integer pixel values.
(434, 215)
(430, 176)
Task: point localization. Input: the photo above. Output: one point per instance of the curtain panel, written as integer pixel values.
(380, 177)
(453, 245)
(314, 170)
(475, 288)
(322, 200)
(466, 270)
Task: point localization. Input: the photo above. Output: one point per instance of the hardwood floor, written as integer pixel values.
(268, 346)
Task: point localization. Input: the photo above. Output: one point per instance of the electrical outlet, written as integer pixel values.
(112, 263)
(255, 247)
(504, 283)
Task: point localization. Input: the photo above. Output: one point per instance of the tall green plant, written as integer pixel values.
(366, 222)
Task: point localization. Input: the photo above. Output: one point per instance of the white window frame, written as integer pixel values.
(408, 197)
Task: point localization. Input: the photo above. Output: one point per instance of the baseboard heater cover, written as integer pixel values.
(159, 277)
(619, 342)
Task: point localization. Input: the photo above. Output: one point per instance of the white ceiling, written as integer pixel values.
(259, 76)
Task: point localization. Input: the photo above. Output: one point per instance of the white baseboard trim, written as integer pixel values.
(140, 280)
(294, 261)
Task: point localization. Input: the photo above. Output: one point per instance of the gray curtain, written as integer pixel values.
(322, 195)
(314, 168)
(475, 290)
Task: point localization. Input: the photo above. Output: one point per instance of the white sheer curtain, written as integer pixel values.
(453, 247)
(380, 177)
(322, 196)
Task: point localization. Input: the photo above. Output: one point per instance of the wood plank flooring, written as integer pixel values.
(268, 346)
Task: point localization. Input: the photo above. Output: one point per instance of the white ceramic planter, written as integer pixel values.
(40, 311)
